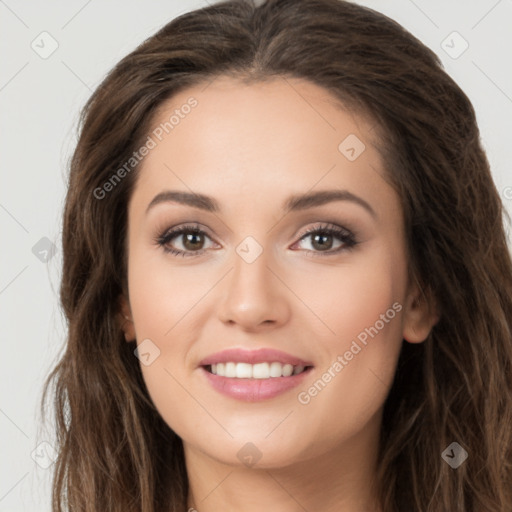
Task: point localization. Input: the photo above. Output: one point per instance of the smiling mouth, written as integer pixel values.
(266, 370)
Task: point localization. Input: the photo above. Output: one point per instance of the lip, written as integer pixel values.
(262, 355)
(253, 390)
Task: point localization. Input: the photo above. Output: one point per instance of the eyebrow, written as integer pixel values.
(293, 203)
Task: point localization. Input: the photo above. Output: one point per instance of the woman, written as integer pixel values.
(286, 276)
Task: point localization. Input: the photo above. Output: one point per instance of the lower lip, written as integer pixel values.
(254, 390)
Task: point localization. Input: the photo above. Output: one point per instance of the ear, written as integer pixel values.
(420, 314)
(124, 318)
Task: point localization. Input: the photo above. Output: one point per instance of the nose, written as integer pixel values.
(254, 297)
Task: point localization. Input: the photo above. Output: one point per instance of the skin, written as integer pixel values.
(250, 147)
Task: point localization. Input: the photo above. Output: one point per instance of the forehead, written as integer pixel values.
(284, 135)
(290, 108)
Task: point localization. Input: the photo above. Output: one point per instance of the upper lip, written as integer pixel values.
(262, 355)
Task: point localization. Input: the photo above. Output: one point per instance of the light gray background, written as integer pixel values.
(40, 100)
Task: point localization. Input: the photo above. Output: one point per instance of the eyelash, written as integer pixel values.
(344, 235)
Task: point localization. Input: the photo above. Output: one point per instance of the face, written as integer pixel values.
(295, 262)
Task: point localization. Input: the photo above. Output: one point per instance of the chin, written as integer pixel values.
(257, 454)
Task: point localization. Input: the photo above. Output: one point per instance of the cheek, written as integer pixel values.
(350, 297)
(363, 306)
(165, 301)
(161, 295)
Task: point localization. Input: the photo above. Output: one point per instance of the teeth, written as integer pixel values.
(298, 369)
(242, 371)
(259, 371)
(255, 371)
(230, 370)
(276, 370)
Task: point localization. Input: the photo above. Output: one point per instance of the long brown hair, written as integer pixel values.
(116, 452)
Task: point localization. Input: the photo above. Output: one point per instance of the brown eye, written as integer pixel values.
(328, 239)
(322, 241)
(193, 241)
(190, 241)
